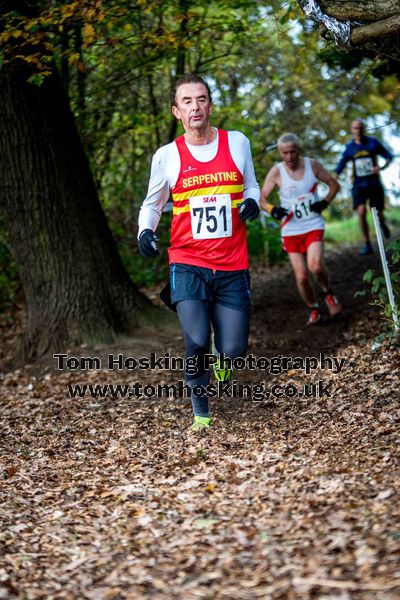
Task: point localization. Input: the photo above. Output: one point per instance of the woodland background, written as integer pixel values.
(112, 498)
(78, 137)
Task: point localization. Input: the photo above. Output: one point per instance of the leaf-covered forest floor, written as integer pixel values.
(285, 499)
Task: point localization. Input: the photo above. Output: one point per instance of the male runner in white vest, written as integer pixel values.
(302, 226)
(214, 190)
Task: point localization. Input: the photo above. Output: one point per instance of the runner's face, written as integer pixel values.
(289, 154)
(193, 106)
(357, 130)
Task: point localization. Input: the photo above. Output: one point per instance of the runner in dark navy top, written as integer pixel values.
(363, 152)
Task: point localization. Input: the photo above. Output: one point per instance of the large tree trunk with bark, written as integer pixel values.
(76, 287)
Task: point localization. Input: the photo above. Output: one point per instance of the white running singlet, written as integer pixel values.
(296, 197)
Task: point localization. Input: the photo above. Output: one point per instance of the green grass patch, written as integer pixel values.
(348, 230)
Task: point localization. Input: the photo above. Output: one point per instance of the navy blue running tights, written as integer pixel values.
(231, 331)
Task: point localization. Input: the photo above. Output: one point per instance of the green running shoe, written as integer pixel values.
(221, 371)
(201, 423)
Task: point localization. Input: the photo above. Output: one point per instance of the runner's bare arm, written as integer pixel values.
(321, 173)
(270, 181)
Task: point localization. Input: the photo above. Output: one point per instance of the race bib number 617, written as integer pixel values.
(302, 207)
(211, 216)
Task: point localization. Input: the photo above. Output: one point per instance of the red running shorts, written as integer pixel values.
(300, 243)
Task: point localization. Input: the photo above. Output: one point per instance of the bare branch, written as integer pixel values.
(360, 10)
(380, 29)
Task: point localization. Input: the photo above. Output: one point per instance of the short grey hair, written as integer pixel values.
(289, 138)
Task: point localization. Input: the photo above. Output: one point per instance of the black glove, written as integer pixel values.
(319, 206)
(148, 244)
(279, 213)
(249, 209)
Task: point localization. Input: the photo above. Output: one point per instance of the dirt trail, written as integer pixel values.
(278, 323)
(288, 499)
(279, 314)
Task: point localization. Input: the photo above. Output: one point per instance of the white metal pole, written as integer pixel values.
(385, 268)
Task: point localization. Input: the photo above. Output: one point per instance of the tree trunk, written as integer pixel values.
(80, 79)
(180, 56)
(360, 10)
(76, 287)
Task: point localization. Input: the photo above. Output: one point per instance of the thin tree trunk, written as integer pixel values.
(80, 79)
(64, 65)
(180, 57)
(154, 107)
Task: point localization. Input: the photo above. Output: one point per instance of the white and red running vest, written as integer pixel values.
(296, 197)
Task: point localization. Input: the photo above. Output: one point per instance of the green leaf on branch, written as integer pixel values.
(368, 275)
(377, 284)
(36, 79)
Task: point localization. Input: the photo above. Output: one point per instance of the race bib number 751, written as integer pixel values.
(211, 216)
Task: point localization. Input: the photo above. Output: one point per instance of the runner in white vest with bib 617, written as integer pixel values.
(302, 225)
